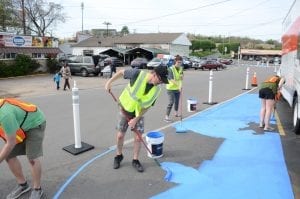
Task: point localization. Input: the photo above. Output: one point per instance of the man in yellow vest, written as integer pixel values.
(175, 75)
(138, 96)
(22, 127)
(267, 94)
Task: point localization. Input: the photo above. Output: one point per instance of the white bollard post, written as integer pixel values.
(210, 85)
(247, 79)
(75, 98)
(78, 147)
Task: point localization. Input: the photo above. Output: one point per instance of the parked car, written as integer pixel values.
(84, 65)
(195, 62)
(139, 62)
(210, 65)
(111, 60)
(155, 62)
(186, 63)
(225, 61)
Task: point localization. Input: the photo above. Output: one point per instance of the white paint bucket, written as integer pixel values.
(191, 105)
(155, 144)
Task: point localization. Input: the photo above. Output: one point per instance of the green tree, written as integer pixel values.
(7, 17)
(124, 30)
(40, 15)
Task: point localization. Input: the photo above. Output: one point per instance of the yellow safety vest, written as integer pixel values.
(134, 99)
(176, 75)
(27, 107)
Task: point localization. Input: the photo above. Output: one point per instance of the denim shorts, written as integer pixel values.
(122, 125)
(32, 146)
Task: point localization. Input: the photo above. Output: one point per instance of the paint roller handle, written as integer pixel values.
(113, 96)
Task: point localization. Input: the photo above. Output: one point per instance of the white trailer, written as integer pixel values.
(290, 61)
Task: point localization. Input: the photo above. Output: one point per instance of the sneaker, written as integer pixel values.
(167, 119)
(117, 161)
(137, 165)
(269, 129)
(36, 194)
(261, 125)
(18, 191)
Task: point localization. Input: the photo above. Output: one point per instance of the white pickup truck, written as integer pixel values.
(290, 61)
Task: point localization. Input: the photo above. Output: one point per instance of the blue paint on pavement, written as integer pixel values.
(247, 165)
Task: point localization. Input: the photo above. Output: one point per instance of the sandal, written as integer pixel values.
(261, 126)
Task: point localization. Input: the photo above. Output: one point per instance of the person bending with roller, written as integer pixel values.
(22, 127)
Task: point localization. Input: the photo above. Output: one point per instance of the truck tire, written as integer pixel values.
(296, 120)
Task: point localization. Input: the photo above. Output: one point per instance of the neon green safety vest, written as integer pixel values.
(176, 75)
(133, 98)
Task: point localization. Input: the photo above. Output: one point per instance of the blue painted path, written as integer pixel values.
(246, 166)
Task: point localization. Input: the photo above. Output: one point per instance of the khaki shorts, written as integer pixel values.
(123, 124)
(33, 144)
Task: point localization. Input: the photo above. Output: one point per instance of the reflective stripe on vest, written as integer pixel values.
(23, 105)
(20, 135)
(27, 107)
(133, 98)
(176, 76)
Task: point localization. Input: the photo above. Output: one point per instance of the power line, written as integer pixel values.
(176, 13)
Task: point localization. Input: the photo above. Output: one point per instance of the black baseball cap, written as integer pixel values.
(162, 72)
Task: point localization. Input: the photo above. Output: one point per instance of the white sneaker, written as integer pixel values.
(167, 119)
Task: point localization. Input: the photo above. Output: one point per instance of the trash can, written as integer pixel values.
(155, 144)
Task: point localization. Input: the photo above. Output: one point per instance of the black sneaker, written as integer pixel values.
(137, 165)
(117, 161)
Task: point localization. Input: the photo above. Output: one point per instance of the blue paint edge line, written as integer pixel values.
(75, 174)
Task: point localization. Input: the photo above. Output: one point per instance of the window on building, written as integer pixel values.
(88, 52)
(37, 55)
(10, 55)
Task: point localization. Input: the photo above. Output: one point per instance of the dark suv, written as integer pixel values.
(84, 65)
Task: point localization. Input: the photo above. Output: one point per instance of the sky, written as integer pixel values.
(258, 19)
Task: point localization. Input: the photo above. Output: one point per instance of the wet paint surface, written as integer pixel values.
(249, 163)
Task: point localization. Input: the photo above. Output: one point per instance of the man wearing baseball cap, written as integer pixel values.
(137, 97)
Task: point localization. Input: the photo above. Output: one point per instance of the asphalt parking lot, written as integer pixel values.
(90, 175)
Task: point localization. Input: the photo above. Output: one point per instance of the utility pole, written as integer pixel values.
(23, 17)
(82, 17)
(107, 24)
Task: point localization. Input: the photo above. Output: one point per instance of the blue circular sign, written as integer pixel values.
(18, 41)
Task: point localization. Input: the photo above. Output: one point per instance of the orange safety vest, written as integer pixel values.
(273, 79)
(27, 107)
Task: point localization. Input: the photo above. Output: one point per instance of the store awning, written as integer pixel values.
(27, 50)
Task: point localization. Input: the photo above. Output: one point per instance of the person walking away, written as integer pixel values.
(66, 74)
(22, 127)
(138, 96)
(175, 75)
(56, 79)
(112, 68)
(267, 93)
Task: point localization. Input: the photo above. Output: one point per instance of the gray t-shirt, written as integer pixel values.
(133, 74)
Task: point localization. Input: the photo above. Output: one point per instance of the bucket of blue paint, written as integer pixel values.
(191, 105)
(155, 144)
